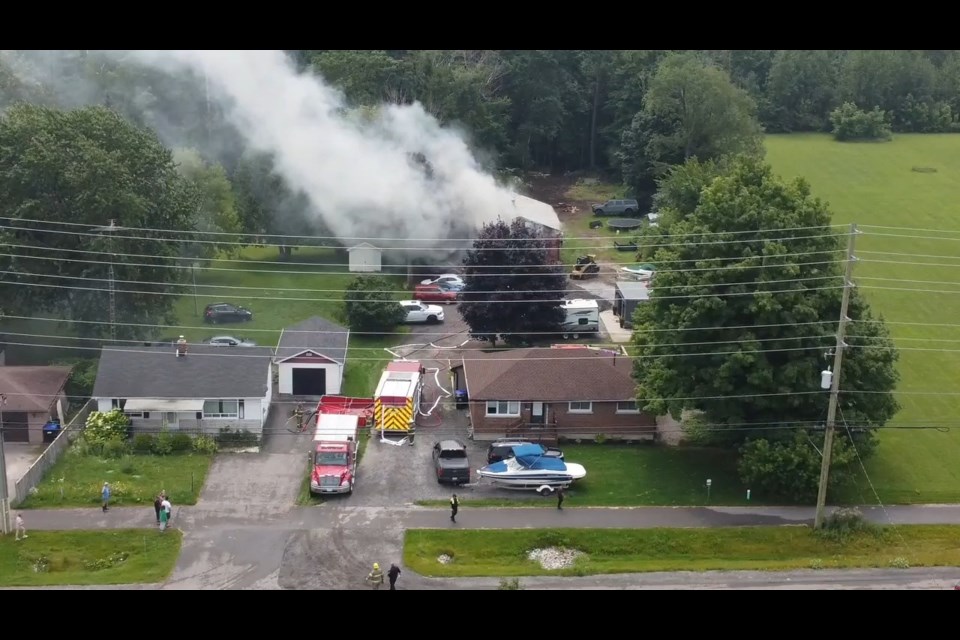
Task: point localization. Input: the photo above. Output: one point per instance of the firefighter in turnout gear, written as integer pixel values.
(298, 414)
(375, 577)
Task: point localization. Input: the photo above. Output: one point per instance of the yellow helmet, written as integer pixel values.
(376, 566)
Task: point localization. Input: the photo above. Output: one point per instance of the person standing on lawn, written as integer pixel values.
(105, 496)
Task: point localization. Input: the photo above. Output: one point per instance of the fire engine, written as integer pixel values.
(397, 398)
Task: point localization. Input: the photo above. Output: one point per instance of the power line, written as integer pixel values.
(235, 352)
(423, 239)
(462, 302)
(419, 333)
(468, 291)
(506, 241)
(187, 267)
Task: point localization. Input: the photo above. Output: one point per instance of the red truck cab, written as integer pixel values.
(433, 293)
(334, 454)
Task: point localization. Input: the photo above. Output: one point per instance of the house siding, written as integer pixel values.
(285, 376)
(254, 411)
(565, 425)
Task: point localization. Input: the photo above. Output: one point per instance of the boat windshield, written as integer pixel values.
(331, 458)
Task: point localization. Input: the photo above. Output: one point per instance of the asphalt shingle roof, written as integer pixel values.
(549, 375)
(32, 389)
(205, 372)
(315, 334)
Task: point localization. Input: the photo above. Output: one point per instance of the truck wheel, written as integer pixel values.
(545, 490)
(566, 335)
(432, 319)
(576, 335)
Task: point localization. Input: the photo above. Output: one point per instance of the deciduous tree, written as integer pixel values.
(512, 287)
(743, 311)
(87, 167)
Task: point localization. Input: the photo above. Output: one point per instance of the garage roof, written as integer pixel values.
(316, 334)
(32, 388)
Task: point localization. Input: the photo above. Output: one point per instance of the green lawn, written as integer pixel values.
(504, 552)
(76, 480)
(875, 184)
(640, 475)
(111, 556)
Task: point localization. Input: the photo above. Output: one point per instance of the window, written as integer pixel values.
(581, 407)
(628, 407)
(223, 409)
(120, 403)
(501, 408)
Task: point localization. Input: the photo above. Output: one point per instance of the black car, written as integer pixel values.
(225, 312)
(450, 462)
(503, 449)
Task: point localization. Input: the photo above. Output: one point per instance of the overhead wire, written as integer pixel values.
(424, 239)
(115, 235)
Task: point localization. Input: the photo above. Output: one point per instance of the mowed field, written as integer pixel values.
(905, 197)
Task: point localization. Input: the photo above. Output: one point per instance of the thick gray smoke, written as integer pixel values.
(391, 173)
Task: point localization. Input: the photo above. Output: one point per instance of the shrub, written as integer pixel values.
(115, 449)
(369, 305)
(843, 523)
(143, 443)
(239, 439)
(106, 426)
(205, 444)
(164, 444)
(852, 123)
(181, 442)
(510, 584)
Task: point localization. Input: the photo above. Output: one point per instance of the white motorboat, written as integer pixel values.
(531, 468)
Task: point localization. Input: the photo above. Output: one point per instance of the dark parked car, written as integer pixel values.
(451, 463)
(225, 312)
(503, 449)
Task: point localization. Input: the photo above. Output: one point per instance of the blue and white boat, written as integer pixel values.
(530, 468)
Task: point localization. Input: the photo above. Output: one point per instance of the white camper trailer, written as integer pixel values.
(582, 316)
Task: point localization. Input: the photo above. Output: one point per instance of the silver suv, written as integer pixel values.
(616, 207)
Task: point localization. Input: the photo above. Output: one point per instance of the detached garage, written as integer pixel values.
(310, 358)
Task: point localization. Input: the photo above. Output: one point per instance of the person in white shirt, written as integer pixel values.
(167, 508)
(21, 528)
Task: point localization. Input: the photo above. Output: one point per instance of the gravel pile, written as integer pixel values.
(444, 559)
(555, 558)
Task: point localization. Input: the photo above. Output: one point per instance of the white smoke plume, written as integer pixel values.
(364, 175)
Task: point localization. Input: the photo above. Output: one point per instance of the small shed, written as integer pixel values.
(365, 257)
(626, 297)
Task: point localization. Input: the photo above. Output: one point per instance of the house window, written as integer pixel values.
(223, 409)
(503, 409)
(581, 407)
(628, 407)
(120, 403)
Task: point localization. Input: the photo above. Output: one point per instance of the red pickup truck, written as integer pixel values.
(433, 293)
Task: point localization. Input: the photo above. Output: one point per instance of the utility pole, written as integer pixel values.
(834, 378)
(4, 498)
(110, 229)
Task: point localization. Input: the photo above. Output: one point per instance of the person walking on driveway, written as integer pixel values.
(157, 506)
(163, 520)
(454, 507)
(393, 574)
(560, 498)
(105, 496)
(166, 509)
(375, 577)
(21, 529)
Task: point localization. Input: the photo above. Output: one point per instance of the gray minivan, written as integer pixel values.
(615, 207)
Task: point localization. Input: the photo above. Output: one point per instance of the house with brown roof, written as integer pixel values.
(549, 394)
(31, 396)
